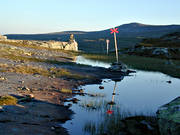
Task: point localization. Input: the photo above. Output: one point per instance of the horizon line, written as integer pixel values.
(92, 30)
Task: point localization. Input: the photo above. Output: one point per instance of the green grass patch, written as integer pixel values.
(141, 63)
(101, 57)
(152, 64)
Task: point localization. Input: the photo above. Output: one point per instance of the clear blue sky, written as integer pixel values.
(43, 16)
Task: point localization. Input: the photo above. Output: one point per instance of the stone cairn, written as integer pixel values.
(71, 39)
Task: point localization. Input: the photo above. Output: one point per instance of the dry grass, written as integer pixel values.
(8, 100)
(52, 72)
(63, 90)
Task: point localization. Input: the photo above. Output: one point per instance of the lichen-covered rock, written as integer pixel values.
(169, 118)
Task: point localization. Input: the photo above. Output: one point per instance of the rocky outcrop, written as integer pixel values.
(169, 118)
(3, 37)
(161, 52)
(71, 45)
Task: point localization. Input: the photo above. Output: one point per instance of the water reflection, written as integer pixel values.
(111, 103)
(142, 93)
(95, 63)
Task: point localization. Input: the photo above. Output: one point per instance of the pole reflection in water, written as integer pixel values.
(111, 103)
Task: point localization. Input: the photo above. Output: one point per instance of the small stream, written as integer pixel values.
(139, 94)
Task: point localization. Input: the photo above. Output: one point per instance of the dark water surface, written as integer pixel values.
(141, 93)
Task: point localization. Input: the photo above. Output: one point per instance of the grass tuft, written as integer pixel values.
(63, 90)
(8, 100)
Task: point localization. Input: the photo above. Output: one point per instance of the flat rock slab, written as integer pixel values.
(35, 117)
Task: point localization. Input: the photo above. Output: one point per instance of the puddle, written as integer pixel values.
(141, 93)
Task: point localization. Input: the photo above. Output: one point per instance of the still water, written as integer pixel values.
(141, 93)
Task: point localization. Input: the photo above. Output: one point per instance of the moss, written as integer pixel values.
(8, 100)
(170, 111)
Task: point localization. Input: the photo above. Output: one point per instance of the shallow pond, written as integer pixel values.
(139, 94)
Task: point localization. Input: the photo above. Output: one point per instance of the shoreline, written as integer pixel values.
(41, 74)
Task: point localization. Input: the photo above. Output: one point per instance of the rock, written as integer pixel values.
(168, 81)
(161, 51)
(101, 87)
(52, 128)
(69, 105)
(27, 98)
(1, 109)
(3, 37)
(169, 118)
(147, 124)
(21, 82)
(27, 53)
(25, 88)
(2, 79)
(72, 45)
(73, 100)
(30, 96)
(141, 125)
(118, 67)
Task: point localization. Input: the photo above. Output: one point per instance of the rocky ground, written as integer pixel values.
(40, 79)
(22, 73)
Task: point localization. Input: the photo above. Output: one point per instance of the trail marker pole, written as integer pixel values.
(115, 30)
(107, 41)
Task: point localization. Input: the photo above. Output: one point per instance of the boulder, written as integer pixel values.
(169, 118)
(73, 46)
(118, 67)
(3, 37)
(161, 51)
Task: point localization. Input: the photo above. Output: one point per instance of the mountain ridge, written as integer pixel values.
(129, 35)
(128, 25)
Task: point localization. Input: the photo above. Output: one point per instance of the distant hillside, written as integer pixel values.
(168, 40)
(129, 35)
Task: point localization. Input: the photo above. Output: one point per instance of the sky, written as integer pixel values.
(44, 16)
